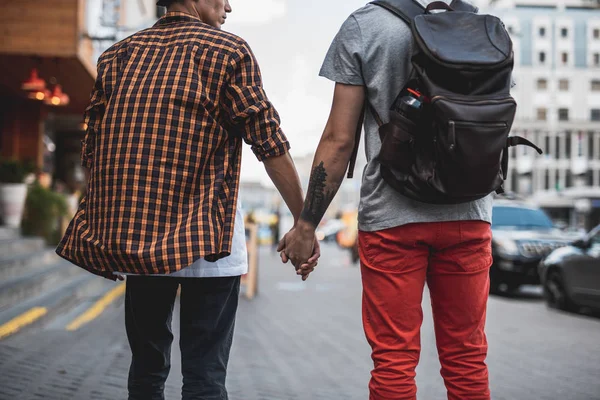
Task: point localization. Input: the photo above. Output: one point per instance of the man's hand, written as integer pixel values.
(301, 247)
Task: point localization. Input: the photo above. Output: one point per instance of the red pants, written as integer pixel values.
(454, 258)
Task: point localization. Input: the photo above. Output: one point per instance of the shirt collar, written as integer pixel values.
(177, 16)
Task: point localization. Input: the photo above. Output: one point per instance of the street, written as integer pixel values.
(304, 341)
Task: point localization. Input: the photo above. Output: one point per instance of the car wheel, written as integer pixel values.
(503, 288)
(511, 288)
(495, 281)
(495, 287)
(555, 293)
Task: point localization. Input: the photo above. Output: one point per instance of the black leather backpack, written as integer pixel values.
(448, 136)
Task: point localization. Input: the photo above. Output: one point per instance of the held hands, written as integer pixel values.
(301, 247)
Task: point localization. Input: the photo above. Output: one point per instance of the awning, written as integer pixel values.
(47, 35)
(75, 79)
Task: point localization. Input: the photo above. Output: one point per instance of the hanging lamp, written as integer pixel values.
(57, 97)
(35, 86)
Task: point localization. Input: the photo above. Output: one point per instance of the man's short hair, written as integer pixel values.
(165, 3)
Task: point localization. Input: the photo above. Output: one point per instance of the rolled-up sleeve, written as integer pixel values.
(94, 113)
(248, 109)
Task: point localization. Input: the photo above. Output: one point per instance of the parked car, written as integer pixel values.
(522, 235)
(571, 275)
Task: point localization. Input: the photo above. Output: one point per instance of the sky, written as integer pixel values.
(290, 39)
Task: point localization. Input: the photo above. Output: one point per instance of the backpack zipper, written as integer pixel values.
(482, 123)
(467, 101)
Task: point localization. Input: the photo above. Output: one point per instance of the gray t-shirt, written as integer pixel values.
(373, 48)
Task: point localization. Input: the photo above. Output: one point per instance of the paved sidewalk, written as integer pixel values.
(304, 341)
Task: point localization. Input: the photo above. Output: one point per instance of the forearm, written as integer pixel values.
(329, 168)
(284, 176)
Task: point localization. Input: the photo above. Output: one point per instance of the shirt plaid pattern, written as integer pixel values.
(167, 116)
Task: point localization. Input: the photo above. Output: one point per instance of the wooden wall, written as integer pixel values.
(22, 130)
(47, 35)
(40, 27)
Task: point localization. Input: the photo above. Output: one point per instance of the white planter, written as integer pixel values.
(12, 202)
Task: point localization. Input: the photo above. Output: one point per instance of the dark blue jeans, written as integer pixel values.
(208, 308)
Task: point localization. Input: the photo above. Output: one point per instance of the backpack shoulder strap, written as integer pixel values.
(366, 107)
(407, 10)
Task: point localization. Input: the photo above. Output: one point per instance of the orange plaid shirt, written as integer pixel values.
(167, 116)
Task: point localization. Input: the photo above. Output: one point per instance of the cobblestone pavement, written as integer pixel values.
(304, 341)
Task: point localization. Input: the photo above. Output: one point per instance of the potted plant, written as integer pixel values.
(13, 190)
(44, 213)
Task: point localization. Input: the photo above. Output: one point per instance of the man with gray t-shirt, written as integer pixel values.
(403, 243)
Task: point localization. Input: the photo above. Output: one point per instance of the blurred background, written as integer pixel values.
(295, 340)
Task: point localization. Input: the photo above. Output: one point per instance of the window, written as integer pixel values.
(542, 84)
(590, 182)
(595, 114)
(542, 31)
(564, 32)
(563, 114)
(565, 58)
(569, 179)
(557, 148)
(596, 60)
(514, 181)
(542, 114)
(591, 149)
(563, 85)
(595, 85)
(110, 13)
(595, 237)
(542, 57)
(524, 150)
(596, 33)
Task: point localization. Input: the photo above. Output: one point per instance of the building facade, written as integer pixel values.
(557, 74)
(48, 56)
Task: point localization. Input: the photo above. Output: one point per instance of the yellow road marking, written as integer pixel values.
(15, 324)
(94, 311)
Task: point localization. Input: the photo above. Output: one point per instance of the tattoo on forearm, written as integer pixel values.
(318, 197)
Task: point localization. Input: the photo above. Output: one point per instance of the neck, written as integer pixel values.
(186, 8)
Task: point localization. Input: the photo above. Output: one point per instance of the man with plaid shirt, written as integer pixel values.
(167, 116)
